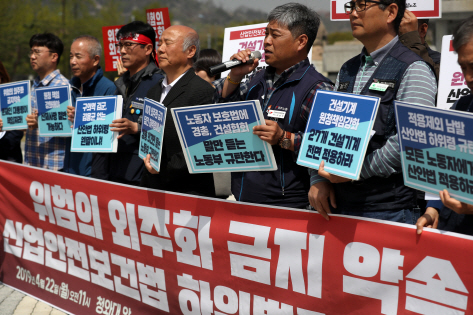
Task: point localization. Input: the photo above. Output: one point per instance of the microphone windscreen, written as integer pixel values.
(256, 54)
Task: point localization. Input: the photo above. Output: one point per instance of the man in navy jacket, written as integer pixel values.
(88, 80)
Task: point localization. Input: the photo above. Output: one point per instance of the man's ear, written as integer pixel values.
(302, 42)
(54, 57)
(96, 60)
(392, 11)
(149, 49)
(191, 51)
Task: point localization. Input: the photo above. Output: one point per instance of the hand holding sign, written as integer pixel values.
(71, 112)
(124, 127)
(408, 23)
(32, 120)
(331, 177)
(271, 132)
(454, 204)
(148, 166)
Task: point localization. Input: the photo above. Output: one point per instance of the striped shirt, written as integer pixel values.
(240, 93)
(45, 152)
(418, 86)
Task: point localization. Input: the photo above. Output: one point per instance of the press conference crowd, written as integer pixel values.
(395, 57)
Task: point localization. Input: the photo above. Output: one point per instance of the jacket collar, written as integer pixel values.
(75, 81)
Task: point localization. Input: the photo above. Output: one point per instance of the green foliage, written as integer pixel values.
(339, 36)
(19, 20)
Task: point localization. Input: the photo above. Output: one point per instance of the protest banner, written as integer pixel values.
(152, 131)
(15, 104)
(91, 132)
(219, 138)
(94, 247)
(436, 149)
(423, 9)
(110, 51)
(159, 21)
(338, 131)
(52, 111)
(452, 84)
(242, 37)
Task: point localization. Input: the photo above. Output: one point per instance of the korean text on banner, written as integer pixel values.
(219, 138)
(52, 111)
(95, 247)
(110, 51)
(91, 131)
(159, 21)
(425, 9)
(436, 149)
(452, 83)
(15, 104)
(152, 131)
(338, 132)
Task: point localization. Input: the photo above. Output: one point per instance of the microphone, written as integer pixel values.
(227, 65)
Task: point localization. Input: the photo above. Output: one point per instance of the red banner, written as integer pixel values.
(159, 20)
(256, 32)
(111, 53)
(94, 247)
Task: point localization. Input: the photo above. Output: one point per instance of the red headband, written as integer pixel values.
(138, 38)
(144, 40)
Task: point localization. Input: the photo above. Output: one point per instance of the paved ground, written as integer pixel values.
(13, 302)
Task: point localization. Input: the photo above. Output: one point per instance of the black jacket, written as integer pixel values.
(174, 176)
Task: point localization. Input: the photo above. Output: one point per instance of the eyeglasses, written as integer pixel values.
(358, 6)
(128, 46)
(37, 52)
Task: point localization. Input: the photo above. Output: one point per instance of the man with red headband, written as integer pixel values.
(136, 42)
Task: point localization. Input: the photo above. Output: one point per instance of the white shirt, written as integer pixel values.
(167, 87)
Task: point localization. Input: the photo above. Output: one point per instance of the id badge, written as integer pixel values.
(276, 113)
(379, 87)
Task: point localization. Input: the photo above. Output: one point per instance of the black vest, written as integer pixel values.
(288, 186)
(377, 193)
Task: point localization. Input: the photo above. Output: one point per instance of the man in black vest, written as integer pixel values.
(389, 70)
(177, 52)
(287, 86)
(439, 212)
(136, 46)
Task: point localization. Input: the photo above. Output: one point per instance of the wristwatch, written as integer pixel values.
(286, 141)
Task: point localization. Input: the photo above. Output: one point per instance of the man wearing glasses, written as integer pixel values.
(389, 70)
(136, 46)
(45, 52)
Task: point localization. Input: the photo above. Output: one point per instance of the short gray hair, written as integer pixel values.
(463, 33)
(192, 39)
(93, 45)
(298, 19)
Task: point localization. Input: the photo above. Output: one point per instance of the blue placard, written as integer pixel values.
(15, 103)
(91, 124)
(219, 138)
(52, 111)
(436, 149)
(152, 131)
(338, 132)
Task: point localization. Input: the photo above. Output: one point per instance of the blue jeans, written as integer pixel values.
(408, 216)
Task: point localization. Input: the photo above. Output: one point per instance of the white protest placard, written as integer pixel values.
(452, 85)
(423, 9)
(242, 37)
